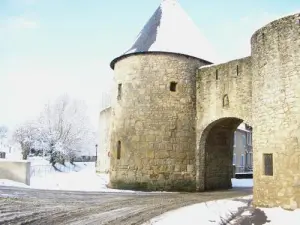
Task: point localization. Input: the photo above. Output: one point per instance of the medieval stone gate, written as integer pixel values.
(174, 112)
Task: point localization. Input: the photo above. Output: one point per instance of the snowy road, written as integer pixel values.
(30, 206)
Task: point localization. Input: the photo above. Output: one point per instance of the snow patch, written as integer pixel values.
(216, 212)
(212, 212)
(279, 216)
(81, 177)
(5, 182)
(242, 182)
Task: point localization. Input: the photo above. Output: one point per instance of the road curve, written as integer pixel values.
(31, 206)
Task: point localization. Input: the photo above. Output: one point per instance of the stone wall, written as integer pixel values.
(162, 146)
(224, 100)
(276, 107)
(103, 159)
(229, 83)
(15, 170)
(155, 126)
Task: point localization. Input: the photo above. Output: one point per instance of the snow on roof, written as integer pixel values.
(242, 127)
(170, 29)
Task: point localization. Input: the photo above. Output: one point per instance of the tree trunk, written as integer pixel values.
(25, 151)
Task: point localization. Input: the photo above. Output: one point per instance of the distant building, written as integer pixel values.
(10, 150)
(103, 157)
(242, 149)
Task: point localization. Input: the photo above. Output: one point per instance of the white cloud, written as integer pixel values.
(18, 23)
(22, 23)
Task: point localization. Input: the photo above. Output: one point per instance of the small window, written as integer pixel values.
(119, 150)
(242, 160)
(244, 141)
(237, 70)
(217, 75)
(234, 139)
(119, 91)
(249, 138)
(234, 159)
(173, 86)
(268, 164)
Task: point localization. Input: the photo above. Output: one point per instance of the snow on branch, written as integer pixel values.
(63, 127)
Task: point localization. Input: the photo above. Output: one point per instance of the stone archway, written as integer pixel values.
(216, 153)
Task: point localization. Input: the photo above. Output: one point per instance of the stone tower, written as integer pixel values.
(276, 107)
(153, 137)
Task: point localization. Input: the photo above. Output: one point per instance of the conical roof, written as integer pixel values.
(171, 30)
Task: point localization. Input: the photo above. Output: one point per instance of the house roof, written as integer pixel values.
(171, 30)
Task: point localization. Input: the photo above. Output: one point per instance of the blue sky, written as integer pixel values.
(50, 47)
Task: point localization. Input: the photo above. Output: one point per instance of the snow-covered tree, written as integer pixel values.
(62, 130)
(26, 135)
(3, 136)
(3, 132)
(64, 127)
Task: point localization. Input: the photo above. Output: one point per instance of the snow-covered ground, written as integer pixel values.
(78, 177)
(5, 182)
(242, 182)
(82, 177)
(212, 212)
(220, 212)
(279, 216)
(85, 179)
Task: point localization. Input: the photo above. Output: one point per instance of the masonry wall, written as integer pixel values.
(156, 127)
(224, 100)
(18, 171)
(163, 147)
(103, 159)
(276, 104)
(214, 83)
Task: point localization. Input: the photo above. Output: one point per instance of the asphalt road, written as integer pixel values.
(30, 206)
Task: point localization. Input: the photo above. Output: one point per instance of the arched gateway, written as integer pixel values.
(173, 113)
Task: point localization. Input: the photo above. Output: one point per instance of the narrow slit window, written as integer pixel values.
(119, 91)
(173, 86)
(217, 75)
(268, 164)
(119, 150)
(225, 100)
(237, 70)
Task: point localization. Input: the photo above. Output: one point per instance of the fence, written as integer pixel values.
(243, 169)
(42, 170)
